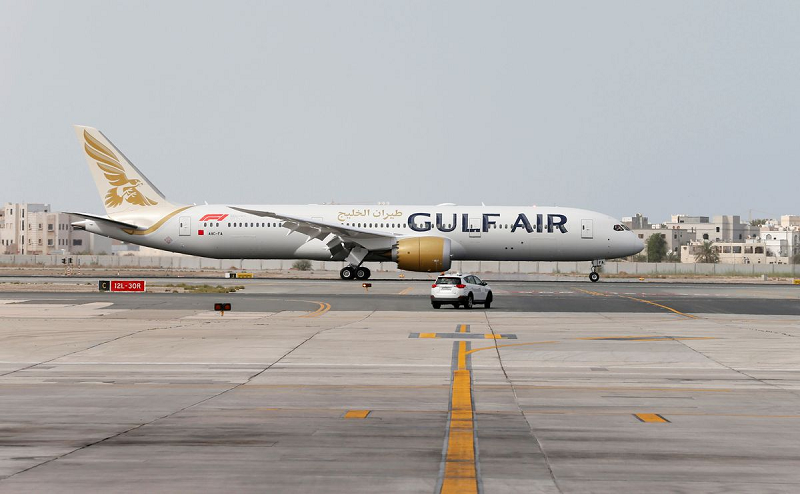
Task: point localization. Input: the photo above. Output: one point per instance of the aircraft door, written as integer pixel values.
(475, 226)
(185, 225)
(586, 229)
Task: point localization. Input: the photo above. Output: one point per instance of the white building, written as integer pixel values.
(724, 228)
(674, 235)
(781, 241)
(752, 251)
(33, 229)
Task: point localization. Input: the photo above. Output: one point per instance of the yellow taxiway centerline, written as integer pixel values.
(323, 308)
(460, 472)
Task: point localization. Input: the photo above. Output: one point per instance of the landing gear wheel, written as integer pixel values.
(436, 305)
(594, 277)
(347, 273)
(362, 273)
(469, 303)
(488, 303)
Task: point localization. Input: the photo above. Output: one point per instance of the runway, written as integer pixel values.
(323, 387)
(296, 295)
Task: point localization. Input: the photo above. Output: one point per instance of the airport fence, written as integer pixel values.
(500, 269)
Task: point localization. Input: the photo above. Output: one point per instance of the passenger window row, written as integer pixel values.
(244, 225)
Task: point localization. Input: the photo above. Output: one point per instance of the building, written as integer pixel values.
(781, 241)
(790, 221)
(674, 235)
(33, 229)
(752, 251)
(724, 228)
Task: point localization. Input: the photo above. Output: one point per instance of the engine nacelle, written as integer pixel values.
(428, 254)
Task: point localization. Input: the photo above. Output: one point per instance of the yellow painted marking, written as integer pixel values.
(356, 414)
(157, 224)
(650, 417)
(659, 305)
(427, 335)
(406, 291)
(462, 328)
(493, 336)
(640, 300)
(462, 355)
(460, 473)
(589, 292)
(510, 344)
(796, 281)
(323, 308)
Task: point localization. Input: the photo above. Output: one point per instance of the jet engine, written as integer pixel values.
(427, 254)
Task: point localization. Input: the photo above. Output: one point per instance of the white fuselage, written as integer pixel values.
(501, 233)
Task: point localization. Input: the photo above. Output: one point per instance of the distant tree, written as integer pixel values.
(759, 221)
(707, 253)
(639, 258)
(672, 256)
(302, 265)
(656, 248)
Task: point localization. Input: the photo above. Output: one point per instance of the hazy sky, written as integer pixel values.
(621, 107)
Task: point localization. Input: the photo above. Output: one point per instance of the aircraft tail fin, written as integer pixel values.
(124, 189)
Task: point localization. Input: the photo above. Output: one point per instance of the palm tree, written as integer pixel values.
(707, 253)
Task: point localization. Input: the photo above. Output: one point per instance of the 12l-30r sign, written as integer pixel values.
(127, 285)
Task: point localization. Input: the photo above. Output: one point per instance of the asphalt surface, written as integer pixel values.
(299, 295)
(323, 387)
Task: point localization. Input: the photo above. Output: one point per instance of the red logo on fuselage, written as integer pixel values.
(214, 217)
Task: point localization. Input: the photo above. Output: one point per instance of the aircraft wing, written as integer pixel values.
(340, 238)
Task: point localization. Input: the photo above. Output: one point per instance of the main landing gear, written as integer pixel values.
(594, 276)
(355, 273)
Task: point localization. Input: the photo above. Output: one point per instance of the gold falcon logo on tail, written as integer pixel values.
(122, 188)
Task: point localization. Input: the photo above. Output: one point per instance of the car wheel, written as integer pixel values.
(436, 305)
(488, 303)
(469, 303)
(456, 305)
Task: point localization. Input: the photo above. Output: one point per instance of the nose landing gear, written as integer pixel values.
(594, 276)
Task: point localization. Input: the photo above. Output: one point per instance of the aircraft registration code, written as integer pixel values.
(127, 285)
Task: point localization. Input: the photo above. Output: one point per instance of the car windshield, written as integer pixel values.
(448, 281)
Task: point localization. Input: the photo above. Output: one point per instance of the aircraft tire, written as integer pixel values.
(347, 273)
(594, 277)
(362, 273)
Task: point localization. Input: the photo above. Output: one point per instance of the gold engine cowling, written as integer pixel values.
(428, 254)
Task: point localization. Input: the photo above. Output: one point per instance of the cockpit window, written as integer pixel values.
(621, 228)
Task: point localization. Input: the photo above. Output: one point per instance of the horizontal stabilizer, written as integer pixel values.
(108, 221)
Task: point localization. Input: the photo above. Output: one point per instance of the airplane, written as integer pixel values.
(417, 238)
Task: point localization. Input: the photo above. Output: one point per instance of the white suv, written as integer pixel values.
(460, 290)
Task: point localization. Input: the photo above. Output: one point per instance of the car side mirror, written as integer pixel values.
(483, 283)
